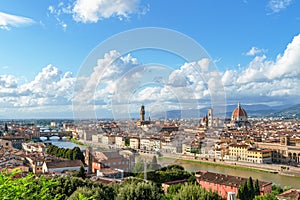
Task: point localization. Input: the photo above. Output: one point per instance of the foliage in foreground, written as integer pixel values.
(249, 190)
(28, 187)
(75, 188)
(190, 191)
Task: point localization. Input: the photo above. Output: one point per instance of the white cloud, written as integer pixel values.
(50, 87)
(91, 11)
(254, 51)
(266, 79)
(7, 21)
(277, 5)
(118, 80)
(8, 81)
(288, 64)
(57, 12)
(95, 10)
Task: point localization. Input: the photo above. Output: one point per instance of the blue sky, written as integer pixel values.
(254, 45)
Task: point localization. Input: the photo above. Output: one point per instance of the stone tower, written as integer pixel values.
(210, 118)
(88, 159)
(142, 113)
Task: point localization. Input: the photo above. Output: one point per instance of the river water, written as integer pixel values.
(283, 181)
(60, 143)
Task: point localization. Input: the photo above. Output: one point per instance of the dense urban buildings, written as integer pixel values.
(238, 140)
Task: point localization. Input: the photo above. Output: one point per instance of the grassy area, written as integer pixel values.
(224, 165)
(75, 141)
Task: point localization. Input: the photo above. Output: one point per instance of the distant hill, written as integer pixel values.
(258, 110)
(290, 112)
(255, 110)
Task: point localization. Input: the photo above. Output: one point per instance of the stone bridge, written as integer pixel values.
(59, 134)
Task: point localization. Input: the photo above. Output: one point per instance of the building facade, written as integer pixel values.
(224, 184)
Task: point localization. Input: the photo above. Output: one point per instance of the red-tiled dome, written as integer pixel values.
(239, 112)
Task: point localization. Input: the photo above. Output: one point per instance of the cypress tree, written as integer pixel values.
(256, 188)
(250, 188)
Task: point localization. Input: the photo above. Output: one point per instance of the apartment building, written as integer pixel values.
(134, 143)
(238, 152)
(257, 155)
(112, 159)
(224, 184)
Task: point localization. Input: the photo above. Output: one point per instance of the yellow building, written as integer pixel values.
(238, 152)
(259, 155)
(134, 143)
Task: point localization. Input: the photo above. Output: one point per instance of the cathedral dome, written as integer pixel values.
(239, 114)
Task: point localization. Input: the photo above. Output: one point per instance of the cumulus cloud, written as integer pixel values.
(8, 81)
(276, 6)
(50, 87)
(87, 11)
(254, 51)
(92, 11)
(118, 81)
(267, 79)
(7, 21)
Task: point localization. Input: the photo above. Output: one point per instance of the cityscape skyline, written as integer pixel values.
(257, 54)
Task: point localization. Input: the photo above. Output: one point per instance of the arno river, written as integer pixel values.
(281, 180)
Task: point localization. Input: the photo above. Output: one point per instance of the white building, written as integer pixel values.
(62, 166)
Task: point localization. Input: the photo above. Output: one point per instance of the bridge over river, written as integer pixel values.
(49, 133)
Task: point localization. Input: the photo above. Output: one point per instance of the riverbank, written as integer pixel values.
(75, 141)
(227, 165)
(245, 166)
(88, 144)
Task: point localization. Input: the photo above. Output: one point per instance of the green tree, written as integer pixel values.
(77, 154)
(173, 189)
(139, 166)
(139, 190)
(154, 165)
(250, 188)
(127, 141)
(247, 191)
(103, 193)
(69, 154)
(241, 193)
(28, 187)
(266, 197)
(194, 191)
(256, 188)
(276, 189)
(81, 173)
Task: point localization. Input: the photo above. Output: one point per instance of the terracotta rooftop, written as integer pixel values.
(175, 182)
(239, 111)
(225, 179)
(64, 163)
(290, 194)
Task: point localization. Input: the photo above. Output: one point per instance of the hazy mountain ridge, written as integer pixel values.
(258, 110)
(290, 112)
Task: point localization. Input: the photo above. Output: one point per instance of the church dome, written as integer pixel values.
(239, 114)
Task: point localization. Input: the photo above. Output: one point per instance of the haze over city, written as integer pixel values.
(255, 46)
